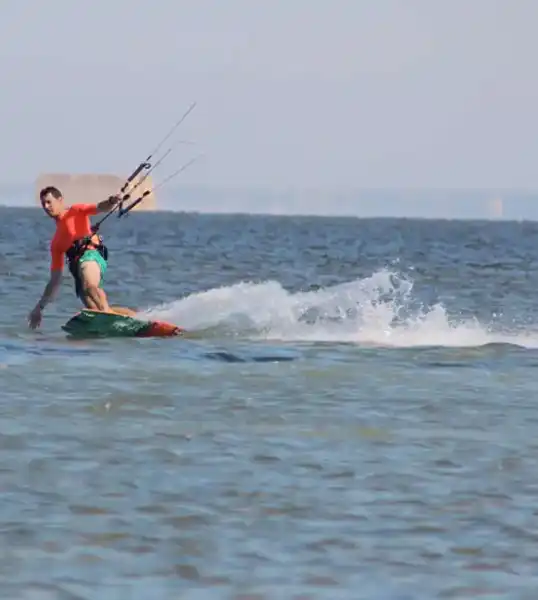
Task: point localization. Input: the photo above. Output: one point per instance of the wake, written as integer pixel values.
(379, 310)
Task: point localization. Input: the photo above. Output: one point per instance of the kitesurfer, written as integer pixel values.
(85, 251)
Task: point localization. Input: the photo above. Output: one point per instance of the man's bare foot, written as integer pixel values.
(120, 310)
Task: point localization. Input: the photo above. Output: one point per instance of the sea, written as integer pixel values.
(352, 413)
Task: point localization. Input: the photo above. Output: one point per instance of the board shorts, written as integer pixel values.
(95, 256)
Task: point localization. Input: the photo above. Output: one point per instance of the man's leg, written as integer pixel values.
(91, 269)
(90, 278)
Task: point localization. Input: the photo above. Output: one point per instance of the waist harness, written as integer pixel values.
(75, 252)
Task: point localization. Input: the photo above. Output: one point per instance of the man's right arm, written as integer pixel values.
(50, 289)
(34, 318)
(55, 279)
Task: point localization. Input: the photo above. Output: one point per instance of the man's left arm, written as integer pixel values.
(107, 205)
(93, 209)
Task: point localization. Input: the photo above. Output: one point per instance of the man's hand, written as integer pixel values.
(108, 204)
(34, 318)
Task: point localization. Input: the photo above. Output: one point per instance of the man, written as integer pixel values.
(85, 251)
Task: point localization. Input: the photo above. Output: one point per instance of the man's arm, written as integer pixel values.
(50, 289)
(107, 205)
(93, 209)
(34, 318)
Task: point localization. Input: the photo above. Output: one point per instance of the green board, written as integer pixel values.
(91, 323)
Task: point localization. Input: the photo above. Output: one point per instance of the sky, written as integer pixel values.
(291, 94)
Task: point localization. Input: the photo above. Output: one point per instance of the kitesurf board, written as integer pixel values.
(94, 323)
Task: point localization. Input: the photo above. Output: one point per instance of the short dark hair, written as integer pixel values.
(50, 189)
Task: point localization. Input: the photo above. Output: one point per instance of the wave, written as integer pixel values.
(379, 310)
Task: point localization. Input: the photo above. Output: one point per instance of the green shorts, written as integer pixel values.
(94, 255)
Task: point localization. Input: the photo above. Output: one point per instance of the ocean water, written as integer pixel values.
(352, 414)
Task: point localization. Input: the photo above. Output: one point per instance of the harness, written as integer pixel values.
(75, 253)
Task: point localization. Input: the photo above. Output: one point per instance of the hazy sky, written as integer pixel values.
(332, 93)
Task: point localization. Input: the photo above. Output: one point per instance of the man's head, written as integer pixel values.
(52, 201)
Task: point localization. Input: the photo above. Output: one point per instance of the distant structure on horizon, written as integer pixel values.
(497, 208)
(94, 187)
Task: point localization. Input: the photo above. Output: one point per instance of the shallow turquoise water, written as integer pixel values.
(352, 415)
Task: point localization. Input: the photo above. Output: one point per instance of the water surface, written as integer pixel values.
(353, 414)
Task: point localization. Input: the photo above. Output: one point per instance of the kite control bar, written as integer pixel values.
(145, 165)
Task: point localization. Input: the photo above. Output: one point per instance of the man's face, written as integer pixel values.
(52, 206)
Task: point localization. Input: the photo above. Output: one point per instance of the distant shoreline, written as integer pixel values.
(316, 216)
(446, 204)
